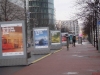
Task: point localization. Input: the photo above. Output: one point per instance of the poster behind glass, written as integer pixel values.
(41, 38)
(55, 37)
(63, 37)
(12, 43)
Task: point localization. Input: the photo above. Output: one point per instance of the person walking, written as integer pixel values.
(73, 40)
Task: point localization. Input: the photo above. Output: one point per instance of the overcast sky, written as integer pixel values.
(64, 9)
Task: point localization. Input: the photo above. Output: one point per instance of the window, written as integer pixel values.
(51, 16)
(32, 15)
(45, 16)
(50, 1)
(45, 10)
(51, 11)
(50, 5)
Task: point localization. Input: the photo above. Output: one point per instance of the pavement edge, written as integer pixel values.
(45, 56)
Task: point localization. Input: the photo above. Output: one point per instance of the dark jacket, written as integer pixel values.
(74, 39)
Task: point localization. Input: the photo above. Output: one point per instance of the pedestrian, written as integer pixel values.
(74, 40)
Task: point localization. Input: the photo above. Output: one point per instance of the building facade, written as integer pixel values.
(70, 26)
(41, 13)
(73, 26)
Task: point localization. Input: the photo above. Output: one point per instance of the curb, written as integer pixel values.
(44, 56)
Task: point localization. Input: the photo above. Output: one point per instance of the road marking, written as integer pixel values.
(77, 56)
(80, 56)
(74, 55)
(92, 70)
(77, 52)
(70, 73)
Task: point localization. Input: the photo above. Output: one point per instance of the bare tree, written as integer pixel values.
(58, 24)
(86, 11)
(89, 14)
(85, 7)
(11, 11)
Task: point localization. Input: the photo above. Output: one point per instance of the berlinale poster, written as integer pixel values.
(12, 39)
(41, 38)
(63, 37)
(55, 37)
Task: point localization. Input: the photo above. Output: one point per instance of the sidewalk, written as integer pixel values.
(80, 60)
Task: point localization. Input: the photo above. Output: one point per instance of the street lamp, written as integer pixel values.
(25, 20)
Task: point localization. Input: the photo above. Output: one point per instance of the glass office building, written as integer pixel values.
(41, 13)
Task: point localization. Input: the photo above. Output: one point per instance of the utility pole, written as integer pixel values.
(25, 20)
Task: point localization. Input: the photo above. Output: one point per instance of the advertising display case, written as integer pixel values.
(41, 40)
(13, 43)
(63, 37)
(55, 40)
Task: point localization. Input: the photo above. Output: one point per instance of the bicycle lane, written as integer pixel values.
(79, 60)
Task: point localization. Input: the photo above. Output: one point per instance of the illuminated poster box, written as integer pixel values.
(12, 39)
(41, 40)
(55, 40)
(55, 37)
(63, 37)
(13, 43)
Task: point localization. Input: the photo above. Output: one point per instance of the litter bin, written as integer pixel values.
(79, 40)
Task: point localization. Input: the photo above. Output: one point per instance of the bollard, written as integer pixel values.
(67, 42)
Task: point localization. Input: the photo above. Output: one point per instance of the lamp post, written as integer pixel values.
(25, 20)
